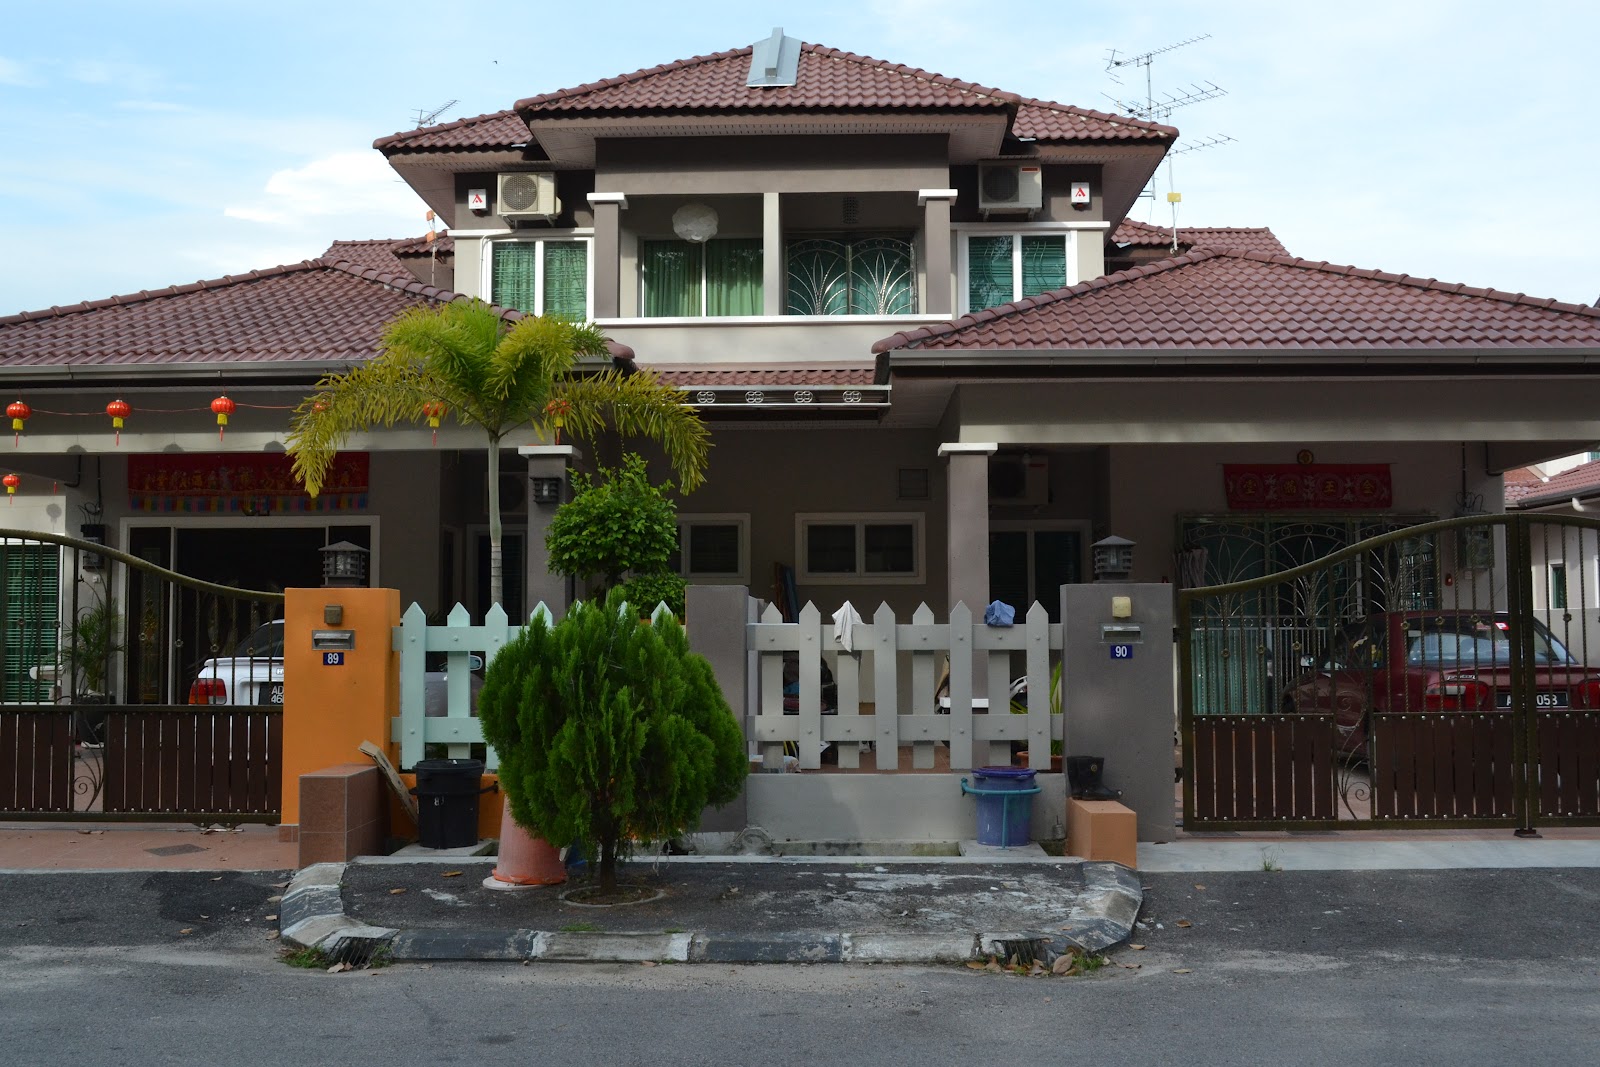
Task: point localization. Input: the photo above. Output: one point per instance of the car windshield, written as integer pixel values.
(1475, 640)
(265, 643)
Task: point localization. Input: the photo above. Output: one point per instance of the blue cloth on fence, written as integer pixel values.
(999, 614)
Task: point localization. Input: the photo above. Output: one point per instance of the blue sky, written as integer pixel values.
(151, 144)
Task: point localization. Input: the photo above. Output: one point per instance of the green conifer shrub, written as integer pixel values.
(609, 730)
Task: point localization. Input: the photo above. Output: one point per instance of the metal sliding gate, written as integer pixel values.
(99, 652)
(1442, 675)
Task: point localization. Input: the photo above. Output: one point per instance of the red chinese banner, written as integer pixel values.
(1317, 486)
(258, 483)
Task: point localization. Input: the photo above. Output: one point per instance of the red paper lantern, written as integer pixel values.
(223, 408)
(433, 411)
(118, 410)
(19, 413)
(11, 482)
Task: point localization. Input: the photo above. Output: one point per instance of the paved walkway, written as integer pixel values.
(142, 846)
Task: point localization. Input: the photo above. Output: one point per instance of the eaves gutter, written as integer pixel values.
(158, 374)
(1095, 363)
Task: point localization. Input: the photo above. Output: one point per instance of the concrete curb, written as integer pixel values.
(312, 915)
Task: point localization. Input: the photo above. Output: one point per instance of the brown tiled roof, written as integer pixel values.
(1528, 490)
(320, 310)
(1236, 238)
(1219, 299)
(443, 244)
(386, 253)
(828, 80)
(814, 374)
(501, 129)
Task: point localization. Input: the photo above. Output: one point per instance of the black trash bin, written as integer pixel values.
(447, 793)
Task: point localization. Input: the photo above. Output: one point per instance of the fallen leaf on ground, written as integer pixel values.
(993, 965)
(396, 892)
(647, 963)
(451, 874)
(1200, 887)
(1132, 966)
(340, 967)
(218, 878)
(1182, 970)
(1064, 965)
(976, 965)
(187, 930)
(269, 916)
(1137, 948)
(274, 935)
(205, 916)
(1185, 923)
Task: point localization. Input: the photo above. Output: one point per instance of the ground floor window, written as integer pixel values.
(713, 548)
(859, 548)
(1026, 565)
(28, 620)
(1558, 585)
(542, 277)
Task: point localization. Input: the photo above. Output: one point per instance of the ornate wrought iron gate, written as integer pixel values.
(1443, 674)
(98, 650)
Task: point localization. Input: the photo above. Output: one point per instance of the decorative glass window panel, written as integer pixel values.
(1044, 264)
(851, 276)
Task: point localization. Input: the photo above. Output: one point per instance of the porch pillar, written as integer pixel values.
(607, 255)
(935, 205)
(967, 500)
(772, 272)
(546, 463)
(721, 615)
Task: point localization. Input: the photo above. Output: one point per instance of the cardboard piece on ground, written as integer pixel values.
(407, 801)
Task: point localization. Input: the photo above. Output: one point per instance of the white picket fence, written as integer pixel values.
(458, 729)
(978, 732)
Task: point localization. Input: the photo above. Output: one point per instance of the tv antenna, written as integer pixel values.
(428, 118)
(1160, 110)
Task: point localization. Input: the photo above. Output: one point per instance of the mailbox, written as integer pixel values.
(1122, 633)
(333, 640)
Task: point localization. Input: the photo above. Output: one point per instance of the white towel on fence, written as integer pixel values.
(844, 621)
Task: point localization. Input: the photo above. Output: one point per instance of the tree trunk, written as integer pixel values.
(608, 867)
(496, 572)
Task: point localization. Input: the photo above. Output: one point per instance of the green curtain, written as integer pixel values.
(671, 271)
(514, 273)
(566, 279)
(1044, 264)
(988, 272)
(733, 276)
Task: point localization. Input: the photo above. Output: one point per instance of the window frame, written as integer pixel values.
(917, 520)
(539, 240)
(689, 520)
(1016, 232)
(705, 286)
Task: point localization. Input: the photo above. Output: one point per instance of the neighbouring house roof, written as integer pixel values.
(378, 254)
(318, 311)
(1526, 490)
(1227, 300)
(829, 80)
(1236, 238)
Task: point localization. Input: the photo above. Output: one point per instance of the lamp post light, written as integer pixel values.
(1113, 559)
(344, 565)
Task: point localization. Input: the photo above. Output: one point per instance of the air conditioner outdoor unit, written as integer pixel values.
(513, 494)
(1019, 480)
(1010, 187)
(527, 196)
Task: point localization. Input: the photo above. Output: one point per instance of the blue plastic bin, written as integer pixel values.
(1005, 804)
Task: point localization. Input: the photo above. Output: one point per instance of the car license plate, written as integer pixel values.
(271, 693)
(1544, 699)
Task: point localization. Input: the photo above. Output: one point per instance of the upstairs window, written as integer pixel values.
(720, 277)
(851, 276)
(1006, 267)
(542, 277)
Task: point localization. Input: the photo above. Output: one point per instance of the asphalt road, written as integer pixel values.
(1459, 968)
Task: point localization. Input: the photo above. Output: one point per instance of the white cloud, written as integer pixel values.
(340, 184)
(14, 73)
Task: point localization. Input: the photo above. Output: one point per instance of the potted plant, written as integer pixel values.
(619, 530)
(91, 647)
(1019, 706)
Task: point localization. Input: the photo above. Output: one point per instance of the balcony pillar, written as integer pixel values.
(935, 205)
(772, 295)
(607, 253)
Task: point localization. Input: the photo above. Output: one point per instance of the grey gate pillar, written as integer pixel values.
(1118, 692)
(548, 471)
(967, 536)
(715, 617)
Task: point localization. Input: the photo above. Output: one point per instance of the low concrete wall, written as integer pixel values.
(884, 807)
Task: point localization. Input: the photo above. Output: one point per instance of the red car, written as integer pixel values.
(1433, 661)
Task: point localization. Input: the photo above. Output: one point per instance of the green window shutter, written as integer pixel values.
(1044, 264)
(671, 271)
(733, 276)
(514, 268)
(32, 580)
(566, 280)
(988, 272)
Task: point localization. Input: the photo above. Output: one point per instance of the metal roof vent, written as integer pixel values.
(775, 62)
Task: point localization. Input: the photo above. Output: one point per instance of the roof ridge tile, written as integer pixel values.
(406, 135)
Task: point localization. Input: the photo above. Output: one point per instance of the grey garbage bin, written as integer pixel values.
(447, 792)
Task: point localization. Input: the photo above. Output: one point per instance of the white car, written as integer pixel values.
(254, 675)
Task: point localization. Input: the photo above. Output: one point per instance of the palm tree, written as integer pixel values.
(483, 369)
